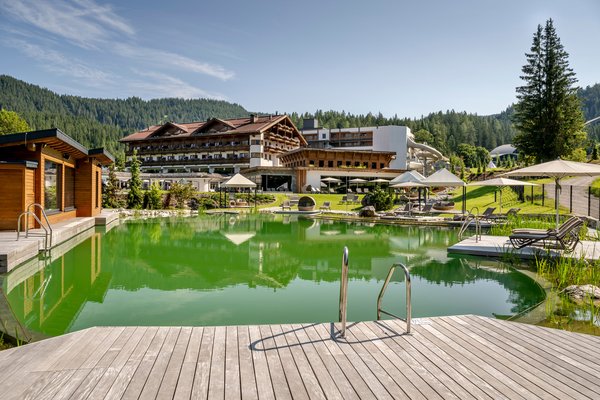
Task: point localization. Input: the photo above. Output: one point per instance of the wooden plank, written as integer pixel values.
(482, 361)
(408, 379)
(342, 382)
(490, 384)
(216, 387)
(172, 373)
(521, 377)
(247, 373)
(285, 336)
(561, 346)
(525, 358)
(432, 364)
(138, 381)
(183, 389)
(114, 368)
(159, 368)
(97, 355)
(58, 381)
(279, 382)
(202, 374)
(290, 369)
(537, 350)
(364, 373)
(233, 388)
(315, 362)
(128, 370)
(261, 368)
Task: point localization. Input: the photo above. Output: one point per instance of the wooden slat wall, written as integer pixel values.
(12, 183)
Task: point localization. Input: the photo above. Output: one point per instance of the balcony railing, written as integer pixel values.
(198, 161)
(186, 149)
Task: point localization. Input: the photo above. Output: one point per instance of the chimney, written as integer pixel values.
(253, 118)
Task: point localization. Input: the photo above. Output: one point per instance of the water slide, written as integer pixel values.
(431, 150)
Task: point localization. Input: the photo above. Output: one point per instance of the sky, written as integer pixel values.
(405, 58)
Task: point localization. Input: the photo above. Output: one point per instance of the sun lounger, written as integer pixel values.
(326, 206)
(510, 213)
(565, 237)
(286, 205)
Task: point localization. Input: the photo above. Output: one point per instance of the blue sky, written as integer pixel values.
(396, 57)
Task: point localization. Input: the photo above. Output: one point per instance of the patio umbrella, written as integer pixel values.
(557, 169)
(329, 180)
(408, 185)
(445, 178)
(380, 180)
(357, 181)
(408, 176)
(501, 183)
(240, 181)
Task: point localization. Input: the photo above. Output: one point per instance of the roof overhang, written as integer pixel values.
(54, 138)
(102, 156)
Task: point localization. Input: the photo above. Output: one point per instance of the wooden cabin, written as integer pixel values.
(49, 168)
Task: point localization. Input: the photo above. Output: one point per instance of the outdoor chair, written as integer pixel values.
(294, 200)
(427, 209)
(331, 191)
(565, 237)
(344, 199)
(359, 191)
(366, 190)
(286, 205)
(403, 210)
(326, 206)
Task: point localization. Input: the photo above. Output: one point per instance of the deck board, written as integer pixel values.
(458, 357)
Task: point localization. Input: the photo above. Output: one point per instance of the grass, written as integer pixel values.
(482, 197)
(596, 187)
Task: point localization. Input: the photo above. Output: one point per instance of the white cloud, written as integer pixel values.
(58, 62)
(82, 22)
(155, 57)
(157, 85)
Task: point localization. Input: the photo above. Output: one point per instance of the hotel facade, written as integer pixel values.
(272, 152)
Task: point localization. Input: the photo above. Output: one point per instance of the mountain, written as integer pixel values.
(102, 122)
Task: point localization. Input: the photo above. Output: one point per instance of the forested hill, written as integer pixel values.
(102, 122)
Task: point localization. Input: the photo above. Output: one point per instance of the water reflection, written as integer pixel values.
(254, 269)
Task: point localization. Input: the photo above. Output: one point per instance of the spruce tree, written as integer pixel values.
(110, 198)
(135, 198)
(548, 115)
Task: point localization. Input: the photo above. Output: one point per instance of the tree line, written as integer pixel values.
(102, 122)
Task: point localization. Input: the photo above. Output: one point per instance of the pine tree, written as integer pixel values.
(548, 116)
(135, 197)
(110, 197)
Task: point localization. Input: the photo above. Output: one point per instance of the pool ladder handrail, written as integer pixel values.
(48, 232)
(408, 295)
(471, 217)
(343, 310)
(344, 292)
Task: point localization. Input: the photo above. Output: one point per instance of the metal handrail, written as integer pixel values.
(408, 296)
(344, 292)
(471, 216)
(38, 205)
(48, 231)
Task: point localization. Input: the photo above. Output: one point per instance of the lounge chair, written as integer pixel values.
(565, 237)
(344, 199)
(403, 210)
(359, 190)
(427, 209)
(286, 205)
(326, 206)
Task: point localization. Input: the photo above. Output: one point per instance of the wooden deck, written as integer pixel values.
(446, 357)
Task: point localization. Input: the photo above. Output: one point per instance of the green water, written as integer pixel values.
(217, 270)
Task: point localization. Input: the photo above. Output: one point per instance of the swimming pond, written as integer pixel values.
(257, 269)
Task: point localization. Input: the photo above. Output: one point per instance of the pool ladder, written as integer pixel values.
(344, 294)
(471, 217)
(47, 228)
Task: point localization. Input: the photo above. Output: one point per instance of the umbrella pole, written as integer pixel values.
(501, 200)
(556, 183)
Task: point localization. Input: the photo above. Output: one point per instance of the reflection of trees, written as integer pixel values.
(523, 292)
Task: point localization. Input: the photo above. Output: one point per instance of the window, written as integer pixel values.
(69, 188)
(52, 186)
(339, 164)
(322, 136)
(321, 163)
(381, 165)
(330, 164)
(373, 165)
(98, 189)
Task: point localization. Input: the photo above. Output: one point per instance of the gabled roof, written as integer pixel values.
(247, 125)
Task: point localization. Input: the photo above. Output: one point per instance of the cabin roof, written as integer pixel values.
(56, 139)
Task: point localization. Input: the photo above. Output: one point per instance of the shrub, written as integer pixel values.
(380, 199)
